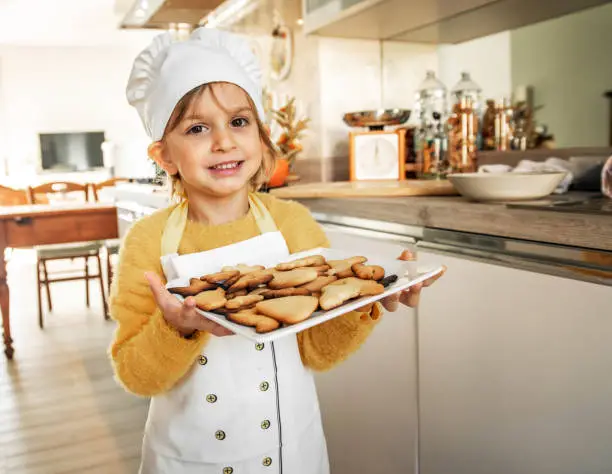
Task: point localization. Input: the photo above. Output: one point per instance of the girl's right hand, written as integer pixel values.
(182, 316)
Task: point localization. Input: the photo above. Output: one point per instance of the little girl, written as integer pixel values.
(220, 405)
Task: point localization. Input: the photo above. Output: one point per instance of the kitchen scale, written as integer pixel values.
(377, 154)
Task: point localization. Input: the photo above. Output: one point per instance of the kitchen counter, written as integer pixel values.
(566, 244)
(455, 213)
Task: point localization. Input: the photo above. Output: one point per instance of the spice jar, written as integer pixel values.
(463, 126)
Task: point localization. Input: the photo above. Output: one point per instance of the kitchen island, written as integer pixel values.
(504, 366)
(507, 352)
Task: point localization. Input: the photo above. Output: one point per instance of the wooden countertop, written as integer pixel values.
(455, 213)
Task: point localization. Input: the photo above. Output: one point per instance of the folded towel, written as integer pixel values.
(528, 166)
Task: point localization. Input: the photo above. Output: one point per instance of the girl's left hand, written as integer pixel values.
(409, 297)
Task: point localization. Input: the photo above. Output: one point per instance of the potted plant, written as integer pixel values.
(288, 142)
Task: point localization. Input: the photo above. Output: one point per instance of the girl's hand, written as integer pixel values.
(409, 297)
(182, 316)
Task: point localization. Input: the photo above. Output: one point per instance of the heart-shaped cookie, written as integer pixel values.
(292, 278)
(290, 309)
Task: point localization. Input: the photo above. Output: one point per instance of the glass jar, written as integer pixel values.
(463, 126)
(431, 132)
(432, 150)
(467, 89)
(430, 98)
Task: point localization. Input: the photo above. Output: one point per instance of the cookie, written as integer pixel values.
(290, 309)
(241, 302)
(368, 272)
(316, 285)
(252, 280)
(223, 279)
(244, 269)
(321, 269)
(269, 294)
(259, 291)
(341, 291)
(195, 286)
(388, 280)
(250, 317)
(346, 262)
(210, 300)
(341, 272)
(312, 261)
(292, 278)
(232, 295)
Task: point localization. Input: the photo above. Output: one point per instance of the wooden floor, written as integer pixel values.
(61, 411)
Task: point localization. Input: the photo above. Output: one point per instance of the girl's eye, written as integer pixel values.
(195, 130)
(240, 122)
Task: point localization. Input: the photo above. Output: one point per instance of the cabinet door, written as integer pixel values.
(514, 373)
(368, 402)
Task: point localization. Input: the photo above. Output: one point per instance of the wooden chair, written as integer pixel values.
(71, 251)
(111, 246)
(109, 183)
(13, 197)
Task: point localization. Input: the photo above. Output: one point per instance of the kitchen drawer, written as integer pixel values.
(57, 229)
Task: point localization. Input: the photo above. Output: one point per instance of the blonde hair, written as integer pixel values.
(270, 152)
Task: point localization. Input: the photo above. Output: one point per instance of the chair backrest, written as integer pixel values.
(56, 187)
(95, 187)
(13, 197)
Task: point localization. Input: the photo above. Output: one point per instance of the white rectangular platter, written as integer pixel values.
(409, 274)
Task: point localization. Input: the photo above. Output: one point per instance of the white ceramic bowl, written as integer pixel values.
(511, 186)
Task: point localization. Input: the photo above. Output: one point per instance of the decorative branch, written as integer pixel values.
(293, 130)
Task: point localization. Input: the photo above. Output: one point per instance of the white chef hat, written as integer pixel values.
(167, 69)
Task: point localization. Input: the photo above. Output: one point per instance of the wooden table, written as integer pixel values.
(43, 224)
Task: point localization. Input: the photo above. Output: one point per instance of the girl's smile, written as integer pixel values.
(226, 168)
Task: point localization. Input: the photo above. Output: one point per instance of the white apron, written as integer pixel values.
(243, 408)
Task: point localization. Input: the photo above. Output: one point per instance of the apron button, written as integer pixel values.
(264, 386)
(259, 347)
(202, 360)
(267, 462)
(211, 398)
(265, 424)
(228, 470)
(220, 435)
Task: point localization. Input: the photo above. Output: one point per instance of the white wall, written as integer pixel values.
(59, 89)
(487, 59)
(568, 61)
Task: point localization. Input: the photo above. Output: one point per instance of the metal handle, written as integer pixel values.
(373, 234)
(23, 220)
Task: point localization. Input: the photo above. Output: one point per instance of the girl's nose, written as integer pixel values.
(223, 140)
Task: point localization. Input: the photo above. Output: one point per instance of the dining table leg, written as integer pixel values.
(5, 299)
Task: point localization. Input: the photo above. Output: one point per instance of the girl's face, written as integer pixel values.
(216, 147)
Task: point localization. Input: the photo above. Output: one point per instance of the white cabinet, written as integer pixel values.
(369, 401)
(514, 373)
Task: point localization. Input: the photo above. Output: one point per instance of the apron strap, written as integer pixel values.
(262, 216)
(175, 225)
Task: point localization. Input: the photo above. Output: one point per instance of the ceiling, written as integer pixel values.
(65, 23)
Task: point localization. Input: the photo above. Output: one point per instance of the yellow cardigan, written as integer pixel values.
(149, 357)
